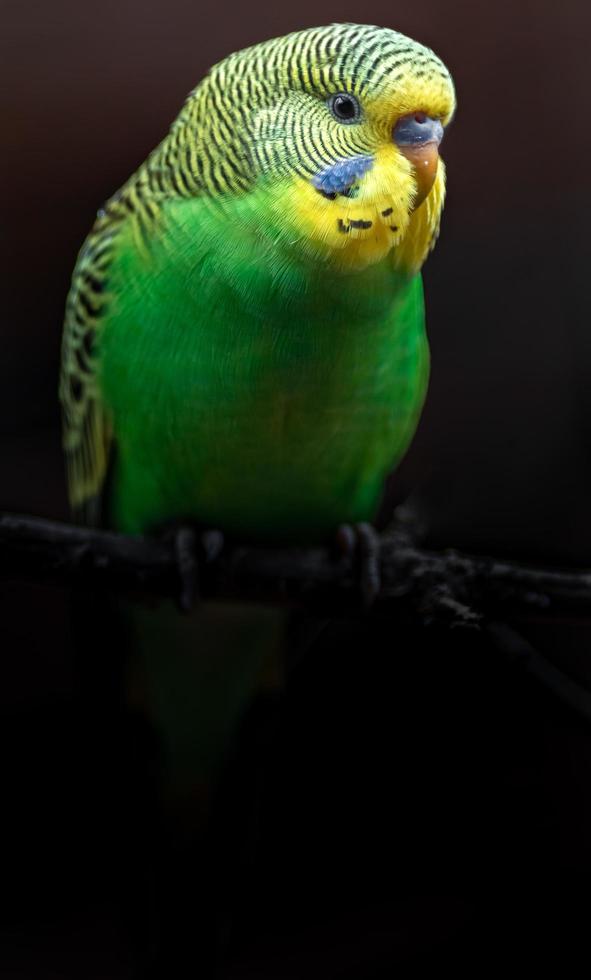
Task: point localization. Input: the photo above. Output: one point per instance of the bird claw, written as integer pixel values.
(360, 543)
(192, 548)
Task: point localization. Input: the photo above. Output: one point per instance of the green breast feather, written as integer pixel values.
(257, 399)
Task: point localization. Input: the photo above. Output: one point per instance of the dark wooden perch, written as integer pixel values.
(446, 587)
(433, 581)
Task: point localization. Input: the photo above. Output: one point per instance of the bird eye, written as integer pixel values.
(344, 107)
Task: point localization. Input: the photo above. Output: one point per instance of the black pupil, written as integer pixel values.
(344, 107)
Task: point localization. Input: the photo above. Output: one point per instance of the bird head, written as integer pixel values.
(337, 130)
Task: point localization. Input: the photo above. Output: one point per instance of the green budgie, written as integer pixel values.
(244, 343)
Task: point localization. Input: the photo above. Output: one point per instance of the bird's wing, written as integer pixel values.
(87, 438)
(86, 429)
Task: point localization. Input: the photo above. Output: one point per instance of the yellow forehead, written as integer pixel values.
(405, 92)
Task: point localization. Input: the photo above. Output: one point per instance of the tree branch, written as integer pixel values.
(446, 587)
(438, 584)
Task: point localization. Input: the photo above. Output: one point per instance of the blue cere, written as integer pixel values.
(340, 176)
(417, 130)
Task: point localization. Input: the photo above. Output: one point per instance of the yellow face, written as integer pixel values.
(392, 206)
(356, 232)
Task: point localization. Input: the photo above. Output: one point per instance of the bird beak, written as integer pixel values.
(424, 160)
(418, 137)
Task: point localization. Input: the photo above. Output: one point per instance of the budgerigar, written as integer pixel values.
(244, 343)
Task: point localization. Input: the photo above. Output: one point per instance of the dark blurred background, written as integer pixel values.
(501, 464)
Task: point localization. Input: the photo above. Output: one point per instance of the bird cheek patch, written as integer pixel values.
(341, 177)
(362, 223)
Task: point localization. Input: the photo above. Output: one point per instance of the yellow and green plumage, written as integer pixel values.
(244, 336)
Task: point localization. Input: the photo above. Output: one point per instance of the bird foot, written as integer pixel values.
(192, 549)
(360, 543)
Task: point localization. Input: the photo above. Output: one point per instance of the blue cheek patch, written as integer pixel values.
(340, 176)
